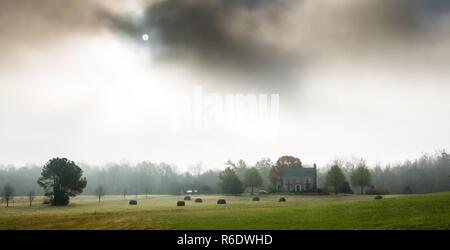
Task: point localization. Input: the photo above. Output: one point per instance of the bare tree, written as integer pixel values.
(124, 194)
(197, 168)
(99, 191)
(7, 193)
(147, 190)
(31, 196)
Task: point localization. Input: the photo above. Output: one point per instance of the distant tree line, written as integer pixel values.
(143, 178)
(429, 173)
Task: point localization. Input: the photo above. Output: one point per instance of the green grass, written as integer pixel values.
(428, 211)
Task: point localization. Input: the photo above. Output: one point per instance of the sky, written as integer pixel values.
(219, 80)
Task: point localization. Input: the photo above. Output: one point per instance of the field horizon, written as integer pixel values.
(160, 212)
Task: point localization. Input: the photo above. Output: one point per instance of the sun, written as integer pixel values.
(145, 37)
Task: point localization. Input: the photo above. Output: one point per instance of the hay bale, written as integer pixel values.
(282, 199)
(198, 200)
(221, 201)
(187, 198)
(180, 203)
(133, 202)
(255, 198)
(378, 197)
(46, 202)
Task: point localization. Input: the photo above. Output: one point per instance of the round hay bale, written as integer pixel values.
(198, 200)
(187, 198)
(221, 201)
(255, 199)
(282, 199)
(180, 203)
(378, 197)
(133, 202)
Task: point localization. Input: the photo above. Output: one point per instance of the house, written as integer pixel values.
(298, 180)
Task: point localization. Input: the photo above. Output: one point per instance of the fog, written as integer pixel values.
(425, 174)
(355, 78)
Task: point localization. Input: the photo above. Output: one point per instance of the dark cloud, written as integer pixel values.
(263, 41)
(270, 40)
(216, 36)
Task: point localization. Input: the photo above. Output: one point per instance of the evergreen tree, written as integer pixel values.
(230, 183)
(335, 178)
(61, 179)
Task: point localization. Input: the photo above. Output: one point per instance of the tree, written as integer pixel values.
(196, 169)
(281, 164)
(7, 193)
(252, 178)
(263, 167)
(124, 194)
(238, 167)
(335, 177)
(61, 179)
(361, 177)
(31, 196)
(229, 182)
(100, 192)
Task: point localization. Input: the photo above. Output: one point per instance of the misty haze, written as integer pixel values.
(215, 114)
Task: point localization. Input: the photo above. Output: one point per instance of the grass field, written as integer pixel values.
(428, 211)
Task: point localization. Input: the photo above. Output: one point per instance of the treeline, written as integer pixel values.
(148, 178)
(141, 178)
(429, 173)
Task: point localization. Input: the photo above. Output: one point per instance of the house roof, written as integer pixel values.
(298, 172)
